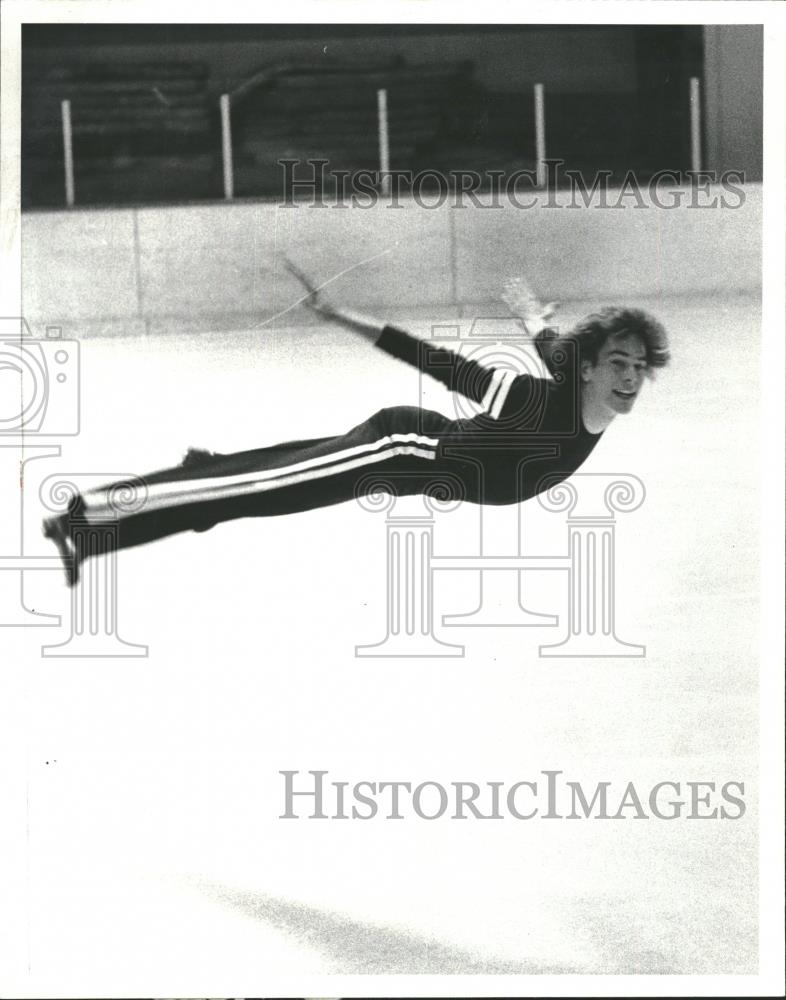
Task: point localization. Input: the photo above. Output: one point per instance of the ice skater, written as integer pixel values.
(529, 433)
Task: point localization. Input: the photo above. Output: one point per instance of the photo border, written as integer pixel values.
(770, 980)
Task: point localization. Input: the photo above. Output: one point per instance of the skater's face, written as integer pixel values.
(613, 383)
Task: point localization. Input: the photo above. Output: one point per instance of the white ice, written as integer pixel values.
(154, 856)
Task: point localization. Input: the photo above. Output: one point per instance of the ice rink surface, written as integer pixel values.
(155, 857)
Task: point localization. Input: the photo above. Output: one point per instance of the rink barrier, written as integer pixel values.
(197, 267)
(590, 501)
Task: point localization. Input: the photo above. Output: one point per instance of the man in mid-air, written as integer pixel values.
(530, 433)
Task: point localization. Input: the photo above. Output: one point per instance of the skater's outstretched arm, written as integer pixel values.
(471, 379)
(367, 326)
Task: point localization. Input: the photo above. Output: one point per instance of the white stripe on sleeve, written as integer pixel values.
(508, 378)
(488, 398)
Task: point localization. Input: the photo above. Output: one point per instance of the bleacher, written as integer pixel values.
(150, 132)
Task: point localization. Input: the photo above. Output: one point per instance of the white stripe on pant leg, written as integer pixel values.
(98, 498)
(177, 494)
(196, 494)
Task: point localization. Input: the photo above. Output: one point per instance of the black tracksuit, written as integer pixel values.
(528, 436)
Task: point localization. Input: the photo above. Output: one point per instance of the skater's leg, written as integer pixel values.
(284, 478)
(390, 433)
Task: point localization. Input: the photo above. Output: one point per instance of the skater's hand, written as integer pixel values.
(522, 301)
(315, 300)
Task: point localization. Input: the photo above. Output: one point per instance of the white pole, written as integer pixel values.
(68, 152)
(226, 148)
(384, 141)
(695, 123)
(540, 137)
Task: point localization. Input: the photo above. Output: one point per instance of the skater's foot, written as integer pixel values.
(57, 529)
(196, 457)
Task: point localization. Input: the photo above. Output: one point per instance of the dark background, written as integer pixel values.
(146, 122)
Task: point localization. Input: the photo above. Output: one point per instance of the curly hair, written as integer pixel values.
(592, 332)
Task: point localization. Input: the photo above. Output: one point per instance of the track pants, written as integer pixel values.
(399, 446)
